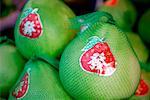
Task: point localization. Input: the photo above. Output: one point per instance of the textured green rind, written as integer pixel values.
(11, 65)
(143, 26)
(44, 83)
(123, 13)
(145, 75)
(83, 85)
(56, 33)
(138, 46)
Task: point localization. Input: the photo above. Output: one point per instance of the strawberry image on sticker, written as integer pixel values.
(31, 25)
(97, 57)
(142, 88)
(23, 86)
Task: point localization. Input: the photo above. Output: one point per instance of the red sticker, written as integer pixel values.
(98, 59)
(31, 25)
(111, 2)
(142, 88)
(23, 86)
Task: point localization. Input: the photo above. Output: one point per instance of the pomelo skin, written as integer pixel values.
(88, 79)
(11, 65)
(122, 11)
(38, 81)
(137, 44)
(43, 28)
(143, 26)
(143, 91)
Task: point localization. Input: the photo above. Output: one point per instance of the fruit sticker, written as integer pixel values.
(23, 86)
(110, 2)
(97, 57)
(31, 25)
(142, 88)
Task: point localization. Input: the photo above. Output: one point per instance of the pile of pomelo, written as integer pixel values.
(59, 56)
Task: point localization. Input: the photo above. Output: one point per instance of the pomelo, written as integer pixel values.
(139, 47)
(38, 81)
(100, 64)
(43, 28)
(122, 11)
(143, 26)
(11, 65)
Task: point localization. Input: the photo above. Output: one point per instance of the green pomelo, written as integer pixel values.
(122, 11)
(43, 28)
(77, 74)
(11, 65)
(138, 46)
(39, 81)
(143, 27)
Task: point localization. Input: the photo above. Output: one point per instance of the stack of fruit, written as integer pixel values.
(92, 56)
(41, 33)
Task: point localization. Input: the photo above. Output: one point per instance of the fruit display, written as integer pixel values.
(75, 50)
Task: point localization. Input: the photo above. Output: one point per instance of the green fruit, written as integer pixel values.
(39, 81)
(122, 11)
(99, 64)
(138, 46)
(143, 27)
(43, 28)
(11, 65)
